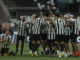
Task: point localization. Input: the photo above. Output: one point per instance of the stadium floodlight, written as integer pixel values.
(43, 6)
(78, 0)
(48, 2)
(54, 8)
(35, 0)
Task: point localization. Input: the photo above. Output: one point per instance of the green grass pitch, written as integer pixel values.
(27, 57)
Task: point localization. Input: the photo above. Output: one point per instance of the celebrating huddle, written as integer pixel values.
(53, 32)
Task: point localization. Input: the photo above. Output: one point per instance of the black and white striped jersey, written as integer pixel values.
(43, 26)
(53, 19)
(60, 26)
(30, 28)
(51, 33)
(36, 28)
(21, 28)
(42, 21)
(43, 29)
(67, 31)
(67, 28)
(78, 22)
(76, 27)
(6, 38)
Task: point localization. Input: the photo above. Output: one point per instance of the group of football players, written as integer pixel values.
(53, 32)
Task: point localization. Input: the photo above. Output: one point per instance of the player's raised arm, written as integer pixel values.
(51, 13)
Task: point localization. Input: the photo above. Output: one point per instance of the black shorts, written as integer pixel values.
(4, 50)
(22, 38)
(35, 37)
(70, 36)
(74, 38)
(60, 38)
(66, 38)
(50, 41)
(43, 37)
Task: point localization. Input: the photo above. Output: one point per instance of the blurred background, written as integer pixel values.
(12, 9)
